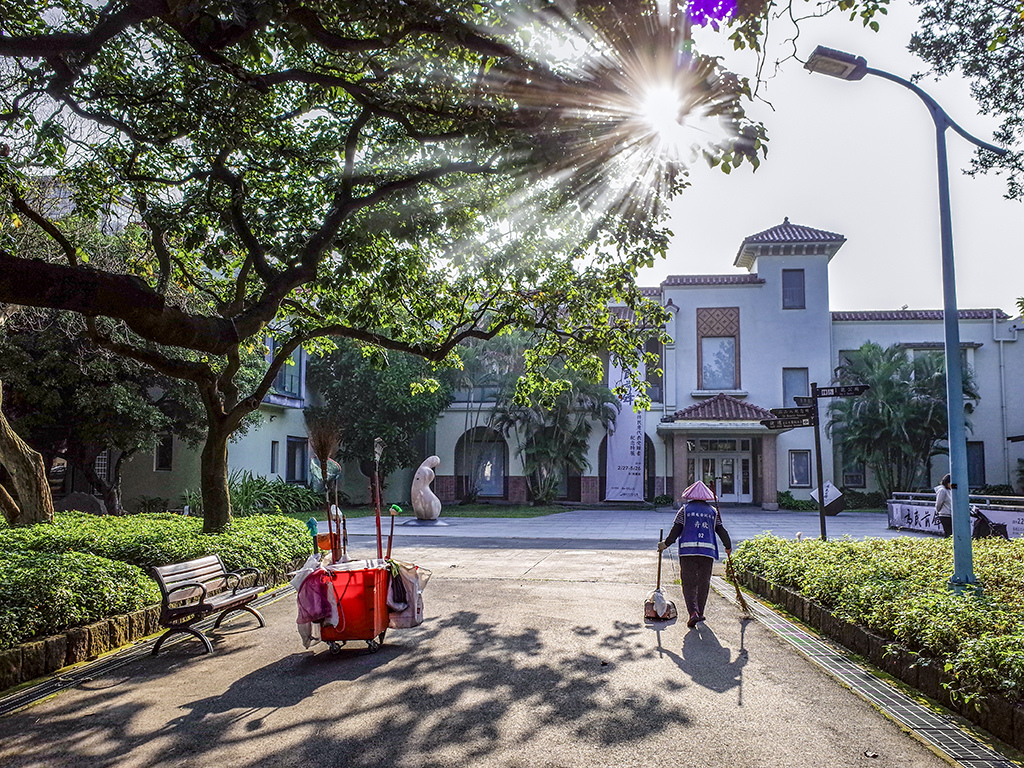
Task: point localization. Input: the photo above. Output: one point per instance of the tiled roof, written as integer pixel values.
(722, 407)
(748, 279)
(916, 314)
(793, 233)
(648, 291)
(787, 239)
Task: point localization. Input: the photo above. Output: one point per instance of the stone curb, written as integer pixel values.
(1000, 717)
(44, 656)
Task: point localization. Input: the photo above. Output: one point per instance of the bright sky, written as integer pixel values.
(858, 158)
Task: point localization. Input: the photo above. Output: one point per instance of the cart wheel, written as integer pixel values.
(334, 647)
(373, 645)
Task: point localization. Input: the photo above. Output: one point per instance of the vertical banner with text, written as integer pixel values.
(625, 478)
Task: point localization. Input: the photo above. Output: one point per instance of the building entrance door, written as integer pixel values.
(729, 476)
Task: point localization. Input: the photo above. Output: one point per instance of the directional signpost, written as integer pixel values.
(806, 415)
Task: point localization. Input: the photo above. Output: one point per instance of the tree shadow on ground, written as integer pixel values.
(462, 688)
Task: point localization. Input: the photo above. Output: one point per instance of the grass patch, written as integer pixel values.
(898, 588)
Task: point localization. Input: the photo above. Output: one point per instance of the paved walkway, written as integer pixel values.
(528, 658)
(626, 529)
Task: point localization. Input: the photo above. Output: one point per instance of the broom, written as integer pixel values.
(656, 607)
(730, 575)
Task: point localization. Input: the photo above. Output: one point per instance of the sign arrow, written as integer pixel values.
(794, 413)
(787, 423)
(846, 391)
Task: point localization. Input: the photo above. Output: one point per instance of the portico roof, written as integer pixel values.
(721, 407)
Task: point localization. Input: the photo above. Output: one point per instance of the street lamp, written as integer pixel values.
(846, 66)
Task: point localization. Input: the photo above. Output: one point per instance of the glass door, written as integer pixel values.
(728, 476)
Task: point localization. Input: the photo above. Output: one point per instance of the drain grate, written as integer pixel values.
(941, 732)
(52, 685)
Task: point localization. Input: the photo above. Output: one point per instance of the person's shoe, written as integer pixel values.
(694, 618)
(701, 619)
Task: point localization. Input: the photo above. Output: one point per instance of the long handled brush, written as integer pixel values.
(657, 607)
(730, 575)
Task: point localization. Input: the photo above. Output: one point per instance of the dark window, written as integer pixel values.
(163, 456)
(654, 377)
(975, 463)
(275, 447)
(718, 362)
(289, 378)
(793, 289)
(799, 469)
(854, 475)
(295, 471)
(794, 384)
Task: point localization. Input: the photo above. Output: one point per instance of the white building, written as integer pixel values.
(743, 343)
(750, 341)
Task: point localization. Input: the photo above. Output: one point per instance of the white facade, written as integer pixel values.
(743, 343)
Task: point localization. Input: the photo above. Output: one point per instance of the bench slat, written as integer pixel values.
(200, 562)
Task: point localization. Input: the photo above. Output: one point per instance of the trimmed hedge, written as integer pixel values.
(898, 588)
(83, 568)
(42, 593)
(262, 542)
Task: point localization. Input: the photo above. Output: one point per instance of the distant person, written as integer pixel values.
(944, 506)
(695, 526)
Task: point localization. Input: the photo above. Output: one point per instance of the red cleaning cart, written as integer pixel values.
(361, 591)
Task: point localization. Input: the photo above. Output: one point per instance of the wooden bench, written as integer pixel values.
(197, 589)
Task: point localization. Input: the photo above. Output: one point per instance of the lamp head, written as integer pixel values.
(839, 64)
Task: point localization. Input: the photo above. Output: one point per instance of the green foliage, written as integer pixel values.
(553, 428)
(1002, 489)
(46, 592)
(262, 541)
(253, 494)
(900, 423)
(786, 500)
(899, 588)
(367, 394)
(664, 500)
(864, 499)
(149, 504)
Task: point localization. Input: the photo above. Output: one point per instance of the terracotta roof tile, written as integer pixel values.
(722, 407)
(793, 233)
(915, 314)
(748, 279)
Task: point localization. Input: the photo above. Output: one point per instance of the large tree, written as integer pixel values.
(307, 171)
(900, 423)
(69, 399)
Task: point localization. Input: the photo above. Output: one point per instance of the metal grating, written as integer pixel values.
(943, 733)
(81, 674)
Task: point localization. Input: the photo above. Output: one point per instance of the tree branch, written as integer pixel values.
(46, 225)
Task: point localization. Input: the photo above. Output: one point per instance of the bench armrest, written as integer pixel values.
(238, 575)
(183, 586)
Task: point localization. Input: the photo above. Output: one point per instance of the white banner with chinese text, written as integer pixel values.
(625, 478)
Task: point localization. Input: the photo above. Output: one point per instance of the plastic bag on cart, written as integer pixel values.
(405, 594)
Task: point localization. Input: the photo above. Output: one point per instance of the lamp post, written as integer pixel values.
(846, 66)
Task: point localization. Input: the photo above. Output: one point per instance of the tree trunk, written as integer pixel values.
(28, 477)
(213, 474)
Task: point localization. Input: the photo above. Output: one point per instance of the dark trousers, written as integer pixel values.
(947, 525)
(695, 574)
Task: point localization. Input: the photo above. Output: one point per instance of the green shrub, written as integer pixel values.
(995, 490)
(898, 588)
(786, 500)
(159, 539)
(42, 592)
(253, 494)
(664, 500)
(864, 500)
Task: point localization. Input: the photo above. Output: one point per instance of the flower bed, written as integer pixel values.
(898, 589)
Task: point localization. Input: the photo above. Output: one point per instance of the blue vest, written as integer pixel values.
(698, 536)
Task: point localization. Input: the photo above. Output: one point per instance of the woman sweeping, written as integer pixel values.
(695, 526)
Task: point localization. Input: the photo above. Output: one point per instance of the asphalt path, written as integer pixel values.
(529, 656)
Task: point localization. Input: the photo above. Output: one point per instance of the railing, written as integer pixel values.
(916, 512)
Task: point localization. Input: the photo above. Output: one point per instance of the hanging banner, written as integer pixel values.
(625, 478)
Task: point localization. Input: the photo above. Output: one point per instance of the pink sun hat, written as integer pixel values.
(698, 492)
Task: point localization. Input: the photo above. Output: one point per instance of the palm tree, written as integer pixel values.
(553, 433)
(900, 423)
